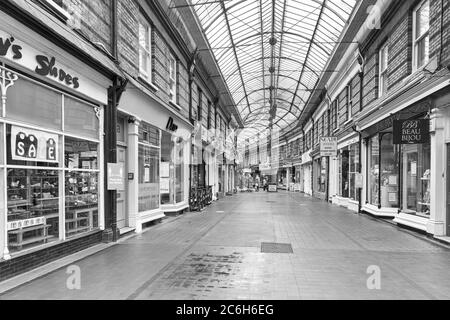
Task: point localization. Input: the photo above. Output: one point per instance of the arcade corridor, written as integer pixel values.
(216, 254)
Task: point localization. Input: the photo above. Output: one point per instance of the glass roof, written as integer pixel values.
(272, 53)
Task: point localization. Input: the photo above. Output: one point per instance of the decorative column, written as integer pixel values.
(133, 167)
(439, 121)
(7, 79)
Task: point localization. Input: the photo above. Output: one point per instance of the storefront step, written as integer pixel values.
(125, 230)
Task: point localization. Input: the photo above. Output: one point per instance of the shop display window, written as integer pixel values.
(384, 171)
(344, 187)
(35, 104)
(416, 174)
(374, 169)
(167, 166)
(179, 171)
(348, 168)
(354, 170)
(320, 168)
(148, 178)
(33, 207)
(81, 202)
(80, 118)
(49, 176)
(80, 154)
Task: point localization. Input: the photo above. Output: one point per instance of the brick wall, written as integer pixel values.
(356, 93)
(127, 42)
(435, 30)
(92, 18)
(399, 51)
(342, 107)
(21, 264)
(370, 81)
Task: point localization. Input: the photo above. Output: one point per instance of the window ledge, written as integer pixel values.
(348, 121)
(175, 105)
(148, 84)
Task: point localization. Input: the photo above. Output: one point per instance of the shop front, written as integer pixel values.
(399, 171)
(51, 159)
(306, 173)
(320, 177)
(347, 191)
(157, 156)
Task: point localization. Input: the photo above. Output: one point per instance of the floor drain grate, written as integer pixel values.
(271, 247)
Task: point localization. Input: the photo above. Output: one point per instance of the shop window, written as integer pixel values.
(179, 171)
(166, 173)
(148, 162)
(320, 168)
(383, 176)
(80, 118)
(33, 207)
(81, 202)
(80, 154)
(374, 170)
(35, 104)
(415, 189)
(173, 83)
(383, 68)
(344, 187)
(353, 171)
(421, 38)
(145, 49)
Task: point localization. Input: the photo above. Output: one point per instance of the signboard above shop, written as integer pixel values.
(411, 131)
(49, 66)
(328, 146)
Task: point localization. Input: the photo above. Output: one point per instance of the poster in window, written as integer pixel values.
(164, 185)
(34, 145)
(392, 197)
(165, 169)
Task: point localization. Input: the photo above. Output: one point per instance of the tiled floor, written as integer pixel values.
(216, 254)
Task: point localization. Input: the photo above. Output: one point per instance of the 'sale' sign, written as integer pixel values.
(411, 131)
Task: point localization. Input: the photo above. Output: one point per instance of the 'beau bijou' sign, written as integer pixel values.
(411, 131)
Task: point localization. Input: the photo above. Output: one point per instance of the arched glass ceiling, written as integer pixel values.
(272, 52)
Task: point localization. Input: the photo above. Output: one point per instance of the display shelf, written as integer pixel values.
(21, 241)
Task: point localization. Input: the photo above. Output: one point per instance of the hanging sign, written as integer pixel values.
(328, 146)
(411, 131)
(34, 145)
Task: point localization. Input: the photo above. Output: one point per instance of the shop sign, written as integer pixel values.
(47, 66)
(116, 176)
(328, 146)
(171, 126)
(411, 131)
(19, 224)
(34, 145)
